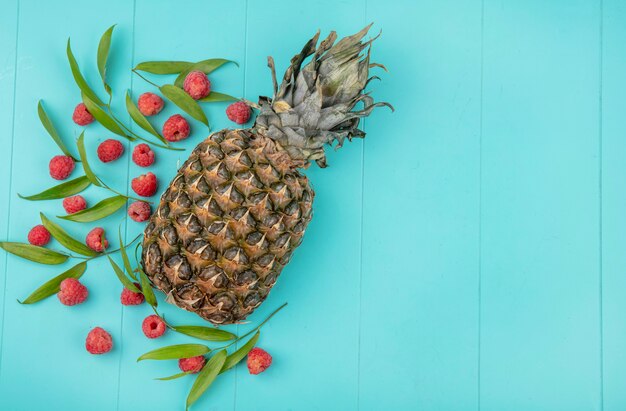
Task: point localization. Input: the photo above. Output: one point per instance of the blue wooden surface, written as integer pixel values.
(468, 254)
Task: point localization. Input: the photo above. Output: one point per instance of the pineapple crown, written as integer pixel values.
(315, 104)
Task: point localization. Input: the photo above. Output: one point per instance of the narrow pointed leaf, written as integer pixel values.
(33, 253)
(103, 118)
(103, 209)
(206, 377)
(146, 289)
(125, 259)
(175, 352)
(163, 67)
(205, 66)
(205, 333)
(173, 377)
(80, 144)
(140, 119)
(47, 124)
(65, 239)
(185, 102)
(215, 97)
(79, 79)
(103, 56)
(234, 358)
(122, 277)
(62, 190)
(51, 287)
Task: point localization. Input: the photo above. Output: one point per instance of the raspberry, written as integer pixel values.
(72, 292)
(197, 85)
(191, 365)
(98, 341)
(129, 297)
(145, 185)
(74, 204)
(110, 150)
(139, 211)
(39, 235)
(61, 167)
(238, 112)
(143, 156)
(81, 115)
(150, 104)
(153, 326)
(176, 128)
(258, 360)
(96, 240)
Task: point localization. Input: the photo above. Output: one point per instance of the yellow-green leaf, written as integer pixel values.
(34, 253)
(205, 333)
(215, 97)
(103, 118)
(103, 209)
(103, 56)
(125, 258)
(185, 102)
(80, 80)
(65, 239)
(163, 67)
(173, 377)
(140, 119)
(47, 124)
(51, 287)
(206, 377)
(146, 289)
(205, 66)
(175, 352)
(80, 144)
(62, 190)
(234, 358)
(122, 277)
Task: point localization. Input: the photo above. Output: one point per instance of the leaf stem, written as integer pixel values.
(145, 79)
(257, 328)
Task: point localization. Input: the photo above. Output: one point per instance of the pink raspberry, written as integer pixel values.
(96, 240)
(145, 185)
(129, 297)
(238, 112)
(149, 104)
(61, 167)
(258, 360)
(110, 150)
(143, 156)
(139, 211)
(72, 292)
(39, 235)
(191, 365)
(81, 115)
(98, 341)
(74, 204)
(176, 128)
(197, 85)
(153, 326)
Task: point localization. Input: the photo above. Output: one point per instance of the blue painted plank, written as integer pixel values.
(614, 203)
(540, 323)
(419, 301)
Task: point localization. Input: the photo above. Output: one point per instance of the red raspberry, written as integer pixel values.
(143, 156)
(191, 365)
(74, 204)
(98, 341)
(153, 326)
(145, 185)
(129, 297)
(238, 112)
(197, 85)
(72, 292)
(150, 104)
(81, 115)
(139, 211)
(110, 150)
(176, 128)
(96, 240)
(258, 360)
(61, 167)
(39, 235)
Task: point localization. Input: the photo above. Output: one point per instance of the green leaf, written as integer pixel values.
(215, 97)
(175, 352)
(206, 66)
(65, 239)
(206, 377)
(185, 102)
(173, 377)
(122, 277)
(33, 253)
(163, 67)
(125, 259)
(47, 124)
(146, 289)
(103, 209)
(80, 143)
(103, 56)
(140, 119)
(62, 190)
(103, 118)
(234, 358)
(205, 333)
(51, 287)
(80, 80)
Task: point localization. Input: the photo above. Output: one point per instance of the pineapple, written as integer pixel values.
(238, 207)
